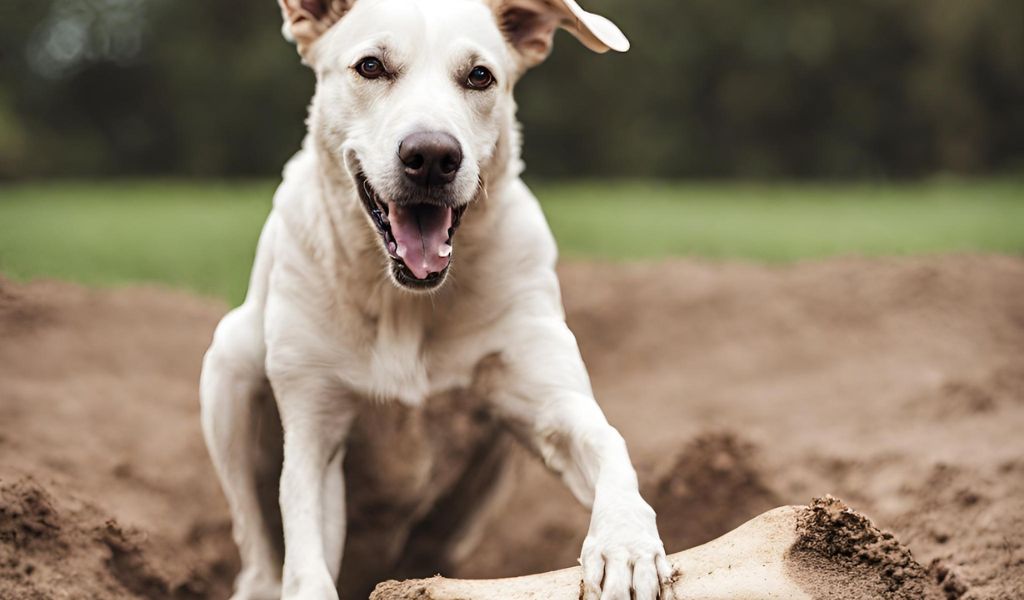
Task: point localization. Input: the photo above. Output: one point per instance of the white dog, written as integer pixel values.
(403, 257)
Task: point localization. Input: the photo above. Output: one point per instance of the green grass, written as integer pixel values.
(201, 235)
(778, 223)
(194, 235)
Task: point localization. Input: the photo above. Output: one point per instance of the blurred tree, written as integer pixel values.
(712, 88)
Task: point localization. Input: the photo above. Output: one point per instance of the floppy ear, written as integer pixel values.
(529, 26)
(306, 20)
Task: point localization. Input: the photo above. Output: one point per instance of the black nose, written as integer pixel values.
(430, 157)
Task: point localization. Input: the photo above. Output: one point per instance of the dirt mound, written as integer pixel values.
(714, 485)
(894, 384)
(982, 392)
(105, 490)
(49, 550)
(836, 544)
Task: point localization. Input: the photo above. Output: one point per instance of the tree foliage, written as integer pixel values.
(711, 88)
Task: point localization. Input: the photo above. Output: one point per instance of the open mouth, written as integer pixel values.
(418, 237)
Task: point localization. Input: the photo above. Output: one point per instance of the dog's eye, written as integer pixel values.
(371, 68)
(479, 79)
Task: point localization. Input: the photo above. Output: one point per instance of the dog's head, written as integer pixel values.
(413, 99)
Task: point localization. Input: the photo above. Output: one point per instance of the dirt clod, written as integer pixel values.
(836, 543)
(27, 517)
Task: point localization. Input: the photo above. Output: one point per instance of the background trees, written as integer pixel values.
(712, 88)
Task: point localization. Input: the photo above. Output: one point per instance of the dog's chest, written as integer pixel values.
(396, 366)
(403, 359)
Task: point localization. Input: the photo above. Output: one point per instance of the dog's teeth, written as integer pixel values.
(445, 251)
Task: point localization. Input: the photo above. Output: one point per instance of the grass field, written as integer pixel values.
(201, 235)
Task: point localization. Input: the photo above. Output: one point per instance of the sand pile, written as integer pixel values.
(50, 549)
(836, 545)
(897, 385)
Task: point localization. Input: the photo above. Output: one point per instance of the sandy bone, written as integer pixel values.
(774, 555)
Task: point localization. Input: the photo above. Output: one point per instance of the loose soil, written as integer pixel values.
(895, 384)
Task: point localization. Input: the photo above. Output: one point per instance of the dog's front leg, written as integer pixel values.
(544, 393)
(316, 416)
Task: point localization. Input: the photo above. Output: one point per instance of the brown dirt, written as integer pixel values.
(837, 544)
(895, 384)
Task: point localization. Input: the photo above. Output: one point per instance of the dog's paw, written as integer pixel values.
(623, 557)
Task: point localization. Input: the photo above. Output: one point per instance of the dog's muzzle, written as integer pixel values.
(418, 236)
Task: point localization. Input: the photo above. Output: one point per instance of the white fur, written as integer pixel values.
(327, 328)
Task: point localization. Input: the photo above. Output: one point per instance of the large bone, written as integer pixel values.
(821, 551)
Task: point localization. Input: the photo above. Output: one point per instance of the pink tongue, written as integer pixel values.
(421, 232)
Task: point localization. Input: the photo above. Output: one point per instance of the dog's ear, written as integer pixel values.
(529, 26)
(306, 20)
